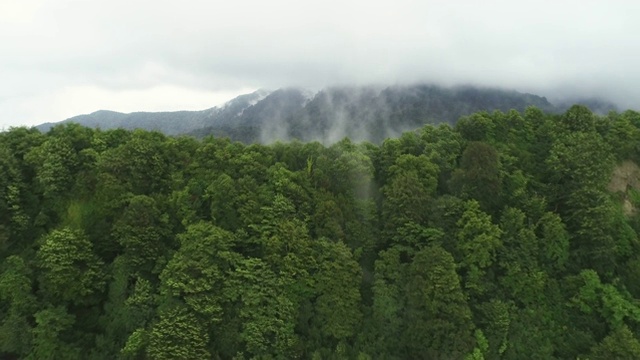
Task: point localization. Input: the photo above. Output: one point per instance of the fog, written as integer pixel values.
(64, 58)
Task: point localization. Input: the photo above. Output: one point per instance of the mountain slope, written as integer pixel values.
(360, 113)
(170, 123)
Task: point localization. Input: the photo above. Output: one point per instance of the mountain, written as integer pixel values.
(361, 113)
(170, 123)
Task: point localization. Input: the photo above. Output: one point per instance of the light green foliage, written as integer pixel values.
(266, 311)
(70, 271)
(135, 344)
(197, 271)
(478, 241)
(292, 186)
(623, 137)
(482, 346)
(594, 297)
(420, 166)
(177, 335)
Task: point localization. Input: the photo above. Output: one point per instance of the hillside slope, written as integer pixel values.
(360, 113)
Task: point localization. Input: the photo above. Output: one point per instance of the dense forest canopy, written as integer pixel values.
(510, 235)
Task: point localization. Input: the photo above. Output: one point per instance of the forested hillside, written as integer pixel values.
(509, 236)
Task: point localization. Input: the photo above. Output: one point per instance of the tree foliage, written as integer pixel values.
(509, 235)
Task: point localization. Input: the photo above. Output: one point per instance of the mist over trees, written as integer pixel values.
(509, 235)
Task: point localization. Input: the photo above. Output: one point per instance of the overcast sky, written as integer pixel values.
(60, 58)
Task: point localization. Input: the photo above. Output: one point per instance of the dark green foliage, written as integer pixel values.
(501, 238)
(437, 316)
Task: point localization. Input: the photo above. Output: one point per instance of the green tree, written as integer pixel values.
(17, 298)
(51, 335)
(143, 163)
(337, 312)
(178, 334)
(389, 301)
(70, 271)
(438, 317)
(265, 309)
(197, 272)
(523, 280)
(144, 233)
(478, 241)
(620, 344)
(412, 182)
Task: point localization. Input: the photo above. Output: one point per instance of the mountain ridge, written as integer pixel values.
(370, 113)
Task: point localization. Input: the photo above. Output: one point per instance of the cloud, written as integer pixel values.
(586, 48)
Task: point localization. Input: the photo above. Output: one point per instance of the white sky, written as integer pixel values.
(60, 58)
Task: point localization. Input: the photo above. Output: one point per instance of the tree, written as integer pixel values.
(56, 162)
(143, 163)
(16, 296)
(479, 176)
(477, 127)
(337, 313)
(144, 234)
(178, 334)
(412, 182)
(620, 344)
(554, 243)
(223, 196)
(51, 335)
(389, 301)
(70, 271)
(478, 241)
(265, 309)
(523, 280)
(198, 271)
(438, 317)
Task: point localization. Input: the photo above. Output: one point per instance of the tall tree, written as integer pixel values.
(438, 317)
(70, 271)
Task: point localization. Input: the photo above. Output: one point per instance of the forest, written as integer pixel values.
(509, 235)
